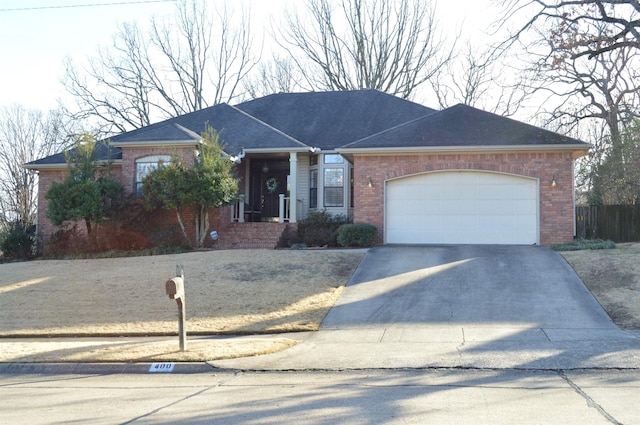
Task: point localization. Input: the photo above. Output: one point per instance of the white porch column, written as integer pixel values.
(293, 189)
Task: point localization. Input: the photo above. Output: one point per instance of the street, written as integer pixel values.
(452, 396)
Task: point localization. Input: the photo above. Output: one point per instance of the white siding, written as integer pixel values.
(303, 185)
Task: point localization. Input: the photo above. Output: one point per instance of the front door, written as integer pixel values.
(266, 182)
(272, 185)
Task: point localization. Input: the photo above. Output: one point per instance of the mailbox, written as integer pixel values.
(175, 288)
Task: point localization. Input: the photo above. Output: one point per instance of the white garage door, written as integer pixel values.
(462, 207)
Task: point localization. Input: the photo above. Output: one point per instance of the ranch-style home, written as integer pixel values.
(421, 176)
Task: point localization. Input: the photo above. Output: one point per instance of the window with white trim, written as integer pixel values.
(333, 187)
(313, 189)
(333, 158)
(146, 165)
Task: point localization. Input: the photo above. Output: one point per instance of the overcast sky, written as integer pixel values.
(35, 40)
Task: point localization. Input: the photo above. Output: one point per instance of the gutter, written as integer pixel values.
(275, 150)
(577, 149)
(61, 166)
(143, 144)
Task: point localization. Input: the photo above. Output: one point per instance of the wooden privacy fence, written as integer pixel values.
(618, 223)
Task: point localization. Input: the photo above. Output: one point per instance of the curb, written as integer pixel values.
(105, 368)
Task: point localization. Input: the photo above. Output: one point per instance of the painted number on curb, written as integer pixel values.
(161, 367)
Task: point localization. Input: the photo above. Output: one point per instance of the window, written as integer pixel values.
(146, 165)
(333, 187)
(313, 189)
(351, 187)
(333, 159)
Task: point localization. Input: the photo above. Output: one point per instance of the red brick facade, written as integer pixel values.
(556, 215)
(125, 173)
(45, 178)
(556, 203)
(131, 155)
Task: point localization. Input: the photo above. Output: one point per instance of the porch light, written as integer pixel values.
(553, 182)
(265, 168)
(370, 183)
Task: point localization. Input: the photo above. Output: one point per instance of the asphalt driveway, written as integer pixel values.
(472, 284)
(469, 306)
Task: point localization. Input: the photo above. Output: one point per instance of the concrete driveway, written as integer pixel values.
(468, 284)
(460, 306)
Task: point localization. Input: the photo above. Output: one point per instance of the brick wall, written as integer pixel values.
(45, 177)
(130, 155)
(556, 204)
(161, 223)
(124, 173)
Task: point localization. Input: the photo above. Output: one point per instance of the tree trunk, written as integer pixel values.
(202, 225)
(184, 231)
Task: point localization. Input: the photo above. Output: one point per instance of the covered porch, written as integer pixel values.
(270, 188)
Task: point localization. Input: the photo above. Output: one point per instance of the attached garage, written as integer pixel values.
(462, 207)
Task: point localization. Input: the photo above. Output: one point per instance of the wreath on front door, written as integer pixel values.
(272, 184)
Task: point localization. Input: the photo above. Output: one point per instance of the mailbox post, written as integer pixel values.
(175, 290)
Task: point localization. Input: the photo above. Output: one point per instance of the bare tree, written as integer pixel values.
(192, 60)
(279, 75)
(210, 64)
(620, 20)
(615, 178)
(583, 60)
(481, 79)
(25, 135)
(389, 45)
(605, 88)
(596, 97)
(112, 89)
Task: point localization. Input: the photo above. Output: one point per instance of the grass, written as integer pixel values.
(115, 254)
(585, 244)
(244, 292)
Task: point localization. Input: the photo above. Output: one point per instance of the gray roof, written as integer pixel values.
(359, 119)
(463, 126)
(329, 120)
(237, 130)
(103, 151)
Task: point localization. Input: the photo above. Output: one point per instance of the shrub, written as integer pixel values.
(68, 240)
(356, 234)
(130, 216)
(583, 244)
(17, 242)
(320, 228)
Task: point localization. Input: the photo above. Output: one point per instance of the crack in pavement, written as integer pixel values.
(185, 398)
(590, 401)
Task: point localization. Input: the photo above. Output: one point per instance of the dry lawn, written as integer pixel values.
(234, 292)
(613, 277)
(228, 292)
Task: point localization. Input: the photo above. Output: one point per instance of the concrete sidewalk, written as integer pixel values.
(453, 347)
(393, 347)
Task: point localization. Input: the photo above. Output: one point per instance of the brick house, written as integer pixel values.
(460, 175)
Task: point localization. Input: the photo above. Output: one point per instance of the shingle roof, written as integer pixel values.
(237, 130)
(461, 126)
(359, 119)
(331, 119)
(103, 152)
